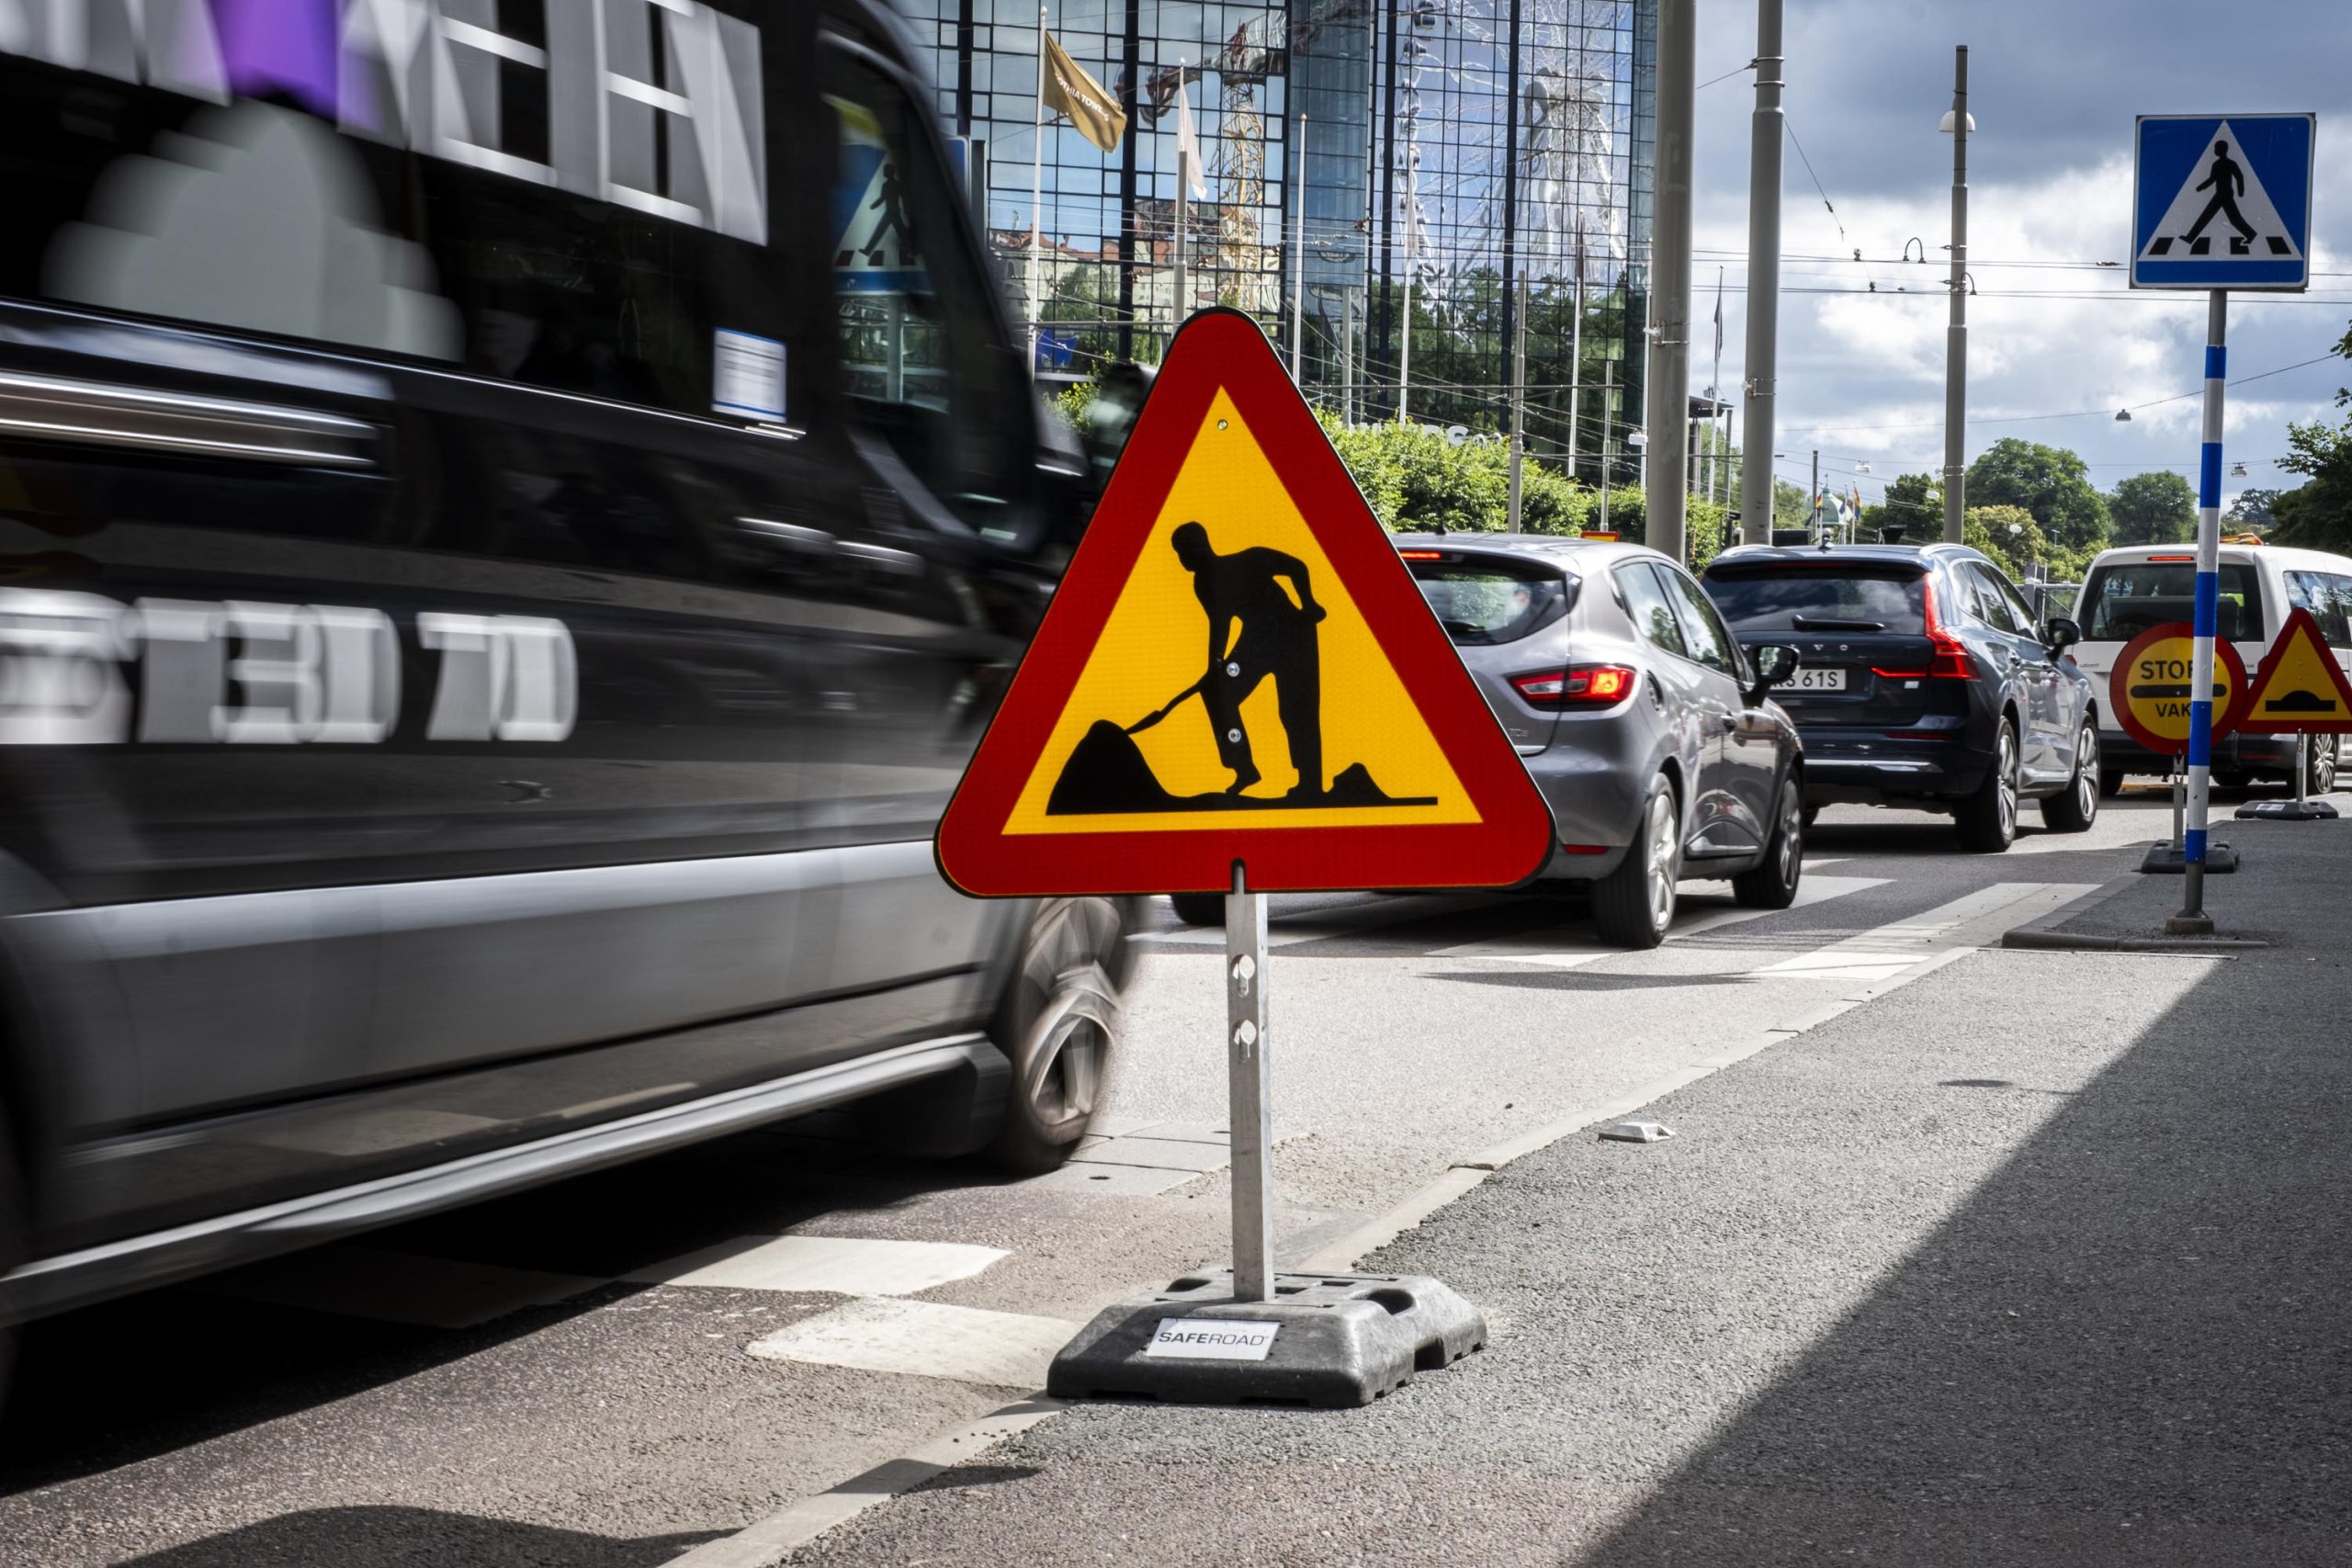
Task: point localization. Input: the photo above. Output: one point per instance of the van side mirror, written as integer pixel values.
(2060, 634)
(1776, 665)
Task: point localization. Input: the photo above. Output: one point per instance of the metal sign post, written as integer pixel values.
(2192, 921)
(2217, 202)
(1250, 1116)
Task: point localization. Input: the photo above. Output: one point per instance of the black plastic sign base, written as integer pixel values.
(2287, 811)
(1323, 1339)
(2171, 860)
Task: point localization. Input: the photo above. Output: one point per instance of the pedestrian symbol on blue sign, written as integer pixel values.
(2223, 202)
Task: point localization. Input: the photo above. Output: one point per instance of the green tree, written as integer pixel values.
(2006, 533)
(2155, 508)
(1913, 502)
(1791, 508)
(2049, 481)
(2319, 514)
(2253, 509)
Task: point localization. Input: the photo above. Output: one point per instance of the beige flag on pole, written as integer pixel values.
(1072, 92)
(1187, 141)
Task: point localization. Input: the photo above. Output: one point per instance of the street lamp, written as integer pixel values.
(2122, 416)
(1959, 122)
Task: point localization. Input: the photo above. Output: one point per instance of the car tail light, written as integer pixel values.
(1421, 555)
(1949, 659)
(2171, 561)
(1578, 687)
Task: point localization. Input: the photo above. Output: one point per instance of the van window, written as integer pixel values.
(2328, 596)
(575, 207)
(2125, 598)
(920, 360)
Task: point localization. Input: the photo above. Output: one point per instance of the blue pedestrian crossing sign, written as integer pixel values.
(2223, 202)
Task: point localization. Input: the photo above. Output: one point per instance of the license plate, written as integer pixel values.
(1811, 679)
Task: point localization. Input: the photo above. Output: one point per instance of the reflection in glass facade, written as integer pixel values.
(1520, 130)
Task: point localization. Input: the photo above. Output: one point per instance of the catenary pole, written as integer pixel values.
(2206, 618)
(1666, 418)
(1956, 335)
(1575, 360)
(1608, 413)
(1765, 131)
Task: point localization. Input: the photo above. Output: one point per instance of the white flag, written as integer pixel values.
(1188, 144)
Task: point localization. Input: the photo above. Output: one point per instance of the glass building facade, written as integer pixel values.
(1447, 148)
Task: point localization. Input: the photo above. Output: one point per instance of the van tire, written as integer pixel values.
(1988, 819)
(16, 1240)
(1057, 1025)
(2319, 766)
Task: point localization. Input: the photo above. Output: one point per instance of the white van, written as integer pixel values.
(2128, 590)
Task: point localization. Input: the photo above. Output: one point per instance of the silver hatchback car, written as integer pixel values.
(1647, 728)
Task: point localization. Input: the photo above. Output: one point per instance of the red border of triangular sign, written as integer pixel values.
(2303, 622)
(1225, 350)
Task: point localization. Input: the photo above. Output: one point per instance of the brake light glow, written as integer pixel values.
(1949, 659)
(1421, 555)
(1578, 687)
(2172, 560)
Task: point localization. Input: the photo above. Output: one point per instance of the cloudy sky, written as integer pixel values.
(2054, 86)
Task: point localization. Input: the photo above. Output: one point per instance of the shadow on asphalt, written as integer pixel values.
(381, 1538)
(128, 1379)
(2128, 1348)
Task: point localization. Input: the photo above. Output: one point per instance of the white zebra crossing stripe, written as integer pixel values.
(849, 1266)
(930, 1340)
(1887, 951)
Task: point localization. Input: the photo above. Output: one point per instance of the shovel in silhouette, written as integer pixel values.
(1173, 704)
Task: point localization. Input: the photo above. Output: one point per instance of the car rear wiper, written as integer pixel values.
(1831, 624)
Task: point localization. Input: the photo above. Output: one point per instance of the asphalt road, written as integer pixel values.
(618, 1369)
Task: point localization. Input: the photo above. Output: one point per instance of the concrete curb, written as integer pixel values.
(2043, 935)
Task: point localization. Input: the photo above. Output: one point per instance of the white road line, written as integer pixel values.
(851, 1266)
(1544, 947)
(1887, 951)
(930, 1340)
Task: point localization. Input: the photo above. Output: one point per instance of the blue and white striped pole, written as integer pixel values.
(2192, 917)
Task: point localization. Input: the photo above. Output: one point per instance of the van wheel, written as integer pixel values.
(2075, 808)
(2110, 782)
(1056, 1024)
(1633, 904)
(1988, 819)
(1773, 884)
(1199, 908)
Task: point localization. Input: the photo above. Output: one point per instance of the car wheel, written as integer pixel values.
(2110, 781)
(1988, 819)
(1199, 908)
(2075, 808)
(2319, 767)
(1633, 904)
(1773, 884)
(1056, 1024)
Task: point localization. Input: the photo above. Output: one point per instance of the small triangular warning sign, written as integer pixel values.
(2301, 688)
(1238, 668)
(2221, 210)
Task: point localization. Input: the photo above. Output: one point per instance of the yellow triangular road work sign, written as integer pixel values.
(2301, 688)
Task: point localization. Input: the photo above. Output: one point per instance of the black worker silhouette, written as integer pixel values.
(1258, 631)
(1275, 642)
(2228, 182)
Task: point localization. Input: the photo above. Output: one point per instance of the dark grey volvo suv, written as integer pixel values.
(1927, 683)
